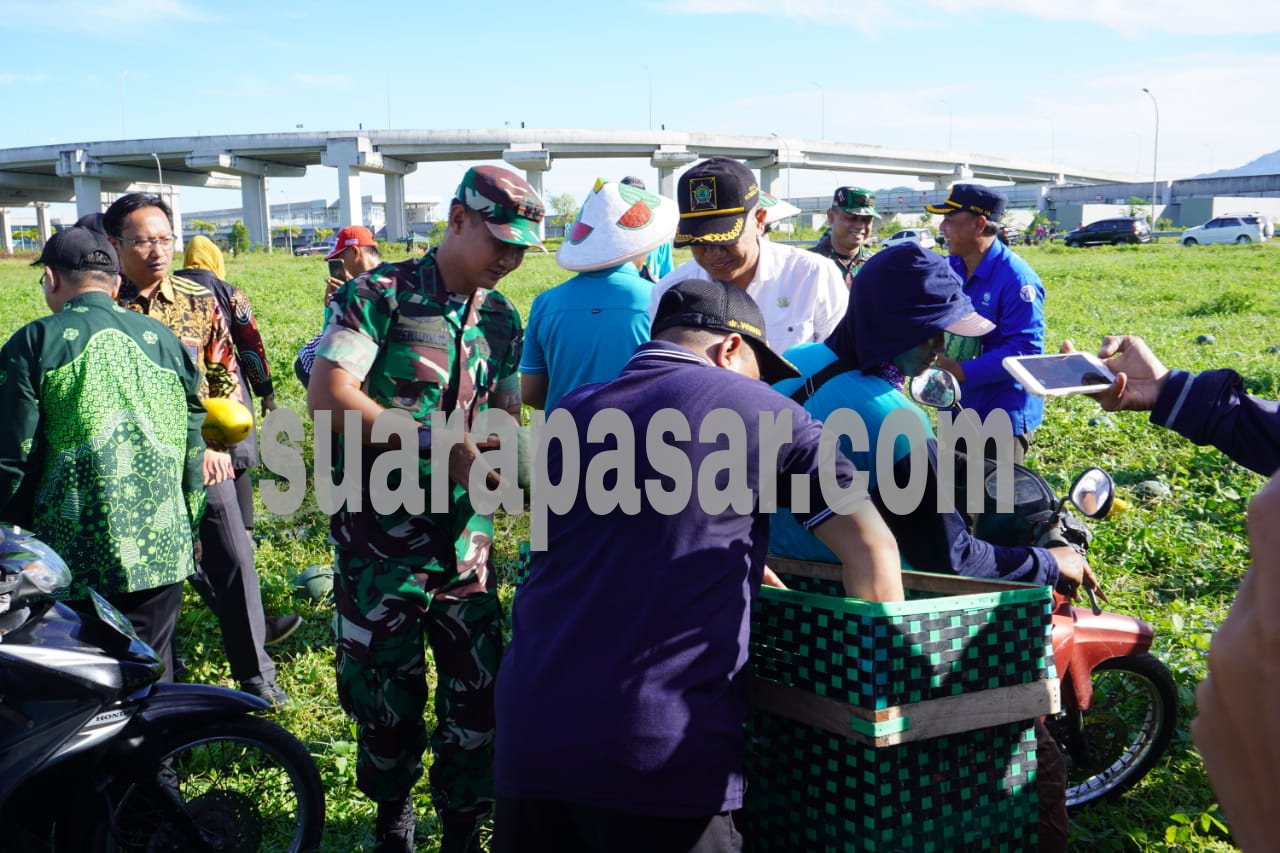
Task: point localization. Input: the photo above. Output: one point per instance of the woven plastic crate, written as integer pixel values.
(810, 790)
(937, 643)
(904, 726)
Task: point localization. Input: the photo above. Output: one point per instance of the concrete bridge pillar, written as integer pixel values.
(667, 161)
(397, 220)
(253, 202)
(533, 161)
(88, 191)
(349, 211)
(43, 228)
(6, 232)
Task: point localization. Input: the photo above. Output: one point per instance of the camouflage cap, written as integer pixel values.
(511, 208)
(855, 200)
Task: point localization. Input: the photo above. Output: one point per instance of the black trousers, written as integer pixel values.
(153, 614)
(228, 582)
(554, 826)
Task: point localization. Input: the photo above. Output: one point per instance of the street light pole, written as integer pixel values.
(1155, 154)
(648, 72)
(822, 106)
(288, 223)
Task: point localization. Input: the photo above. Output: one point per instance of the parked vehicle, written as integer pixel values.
(923, 236)
(1228, 228)
(1119, 702)
(1112, 232)
(1268, 227)
(96, 756)
(313, 249)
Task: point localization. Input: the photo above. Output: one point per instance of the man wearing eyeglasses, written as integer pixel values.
(850, 219)
(1005, 290)
(140, 227)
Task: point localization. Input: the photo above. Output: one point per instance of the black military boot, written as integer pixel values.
(393, 832)
(459, 833)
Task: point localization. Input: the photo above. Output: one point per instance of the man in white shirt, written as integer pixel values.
(801, 295)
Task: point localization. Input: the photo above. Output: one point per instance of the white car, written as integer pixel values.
(1236, 228)
(923, 236)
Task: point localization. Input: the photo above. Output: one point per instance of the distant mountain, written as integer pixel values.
(1267, 164)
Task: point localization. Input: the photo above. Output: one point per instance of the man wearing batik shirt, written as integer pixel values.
(850, 219)
(425, 335)
(140, 227)
(100, 444)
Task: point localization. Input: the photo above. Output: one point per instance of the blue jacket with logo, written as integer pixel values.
(1006, 291)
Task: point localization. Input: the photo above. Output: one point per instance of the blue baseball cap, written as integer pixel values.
(972, 198)
(904, 295)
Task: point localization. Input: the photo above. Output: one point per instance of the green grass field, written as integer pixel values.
(1175, 562)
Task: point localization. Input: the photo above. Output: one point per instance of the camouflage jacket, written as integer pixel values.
(192, 313)
(849, 264)
(417, 348)
(100, 447)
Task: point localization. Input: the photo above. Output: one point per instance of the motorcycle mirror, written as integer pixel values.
(935, 388)
(1093, 493)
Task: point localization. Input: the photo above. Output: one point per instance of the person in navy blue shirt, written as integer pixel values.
(1005, 290)
(622, 697)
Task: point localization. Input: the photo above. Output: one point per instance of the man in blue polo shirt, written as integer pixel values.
(1005, 290)
(622, 697)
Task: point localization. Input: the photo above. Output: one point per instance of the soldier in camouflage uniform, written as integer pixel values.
(850, 219)
(424, 335)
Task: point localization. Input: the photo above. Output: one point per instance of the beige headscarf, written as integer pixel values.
(202, 253)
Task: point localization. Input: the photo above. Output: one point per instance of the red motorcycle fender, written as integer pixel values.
(1096, 638)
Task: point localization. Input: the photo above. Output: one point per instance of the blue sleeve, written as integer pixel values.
(533, 360)
(1212, 408)
(1019, 331)
(933, 541)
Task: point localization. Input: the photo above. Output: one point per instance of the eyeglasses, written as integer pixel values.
(148, 245)
(44, 281)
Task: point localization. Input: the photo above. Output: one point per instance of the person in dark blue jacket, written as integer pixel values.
(1207, 408)
(1005, 290)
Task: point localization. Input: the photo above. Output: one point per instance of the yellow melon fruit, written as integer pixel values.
(227, 421)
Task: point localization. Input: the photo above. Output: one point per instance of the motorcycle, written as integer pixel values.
(95, 755)
(1119, 702)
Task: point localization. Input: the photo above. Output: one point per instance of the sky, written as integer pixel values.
(1037, 80)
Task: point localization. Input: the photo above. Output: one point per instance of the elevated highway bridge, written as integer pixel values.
(91, 173)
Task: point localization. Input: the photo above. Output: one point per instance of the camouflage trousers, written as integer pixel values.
(386, 613)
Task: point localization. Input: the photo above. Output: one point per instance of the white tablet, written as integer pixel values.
(1053, 375)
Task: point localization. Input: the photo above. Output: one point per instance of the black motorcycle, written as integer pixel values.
(95, 755)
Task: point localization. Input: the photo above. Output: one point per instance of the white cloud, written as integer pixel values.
(867, 16)
(1197, 17)
(121, 17)
(323, 81)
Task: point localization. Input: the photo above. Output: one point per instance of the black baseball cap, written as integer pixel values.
(715, 197)
(972, 198)
(703, 304)
(78, 248)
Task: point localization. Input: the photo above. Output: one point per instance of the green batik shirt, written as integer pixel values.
(100, 447)
(417, 348)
